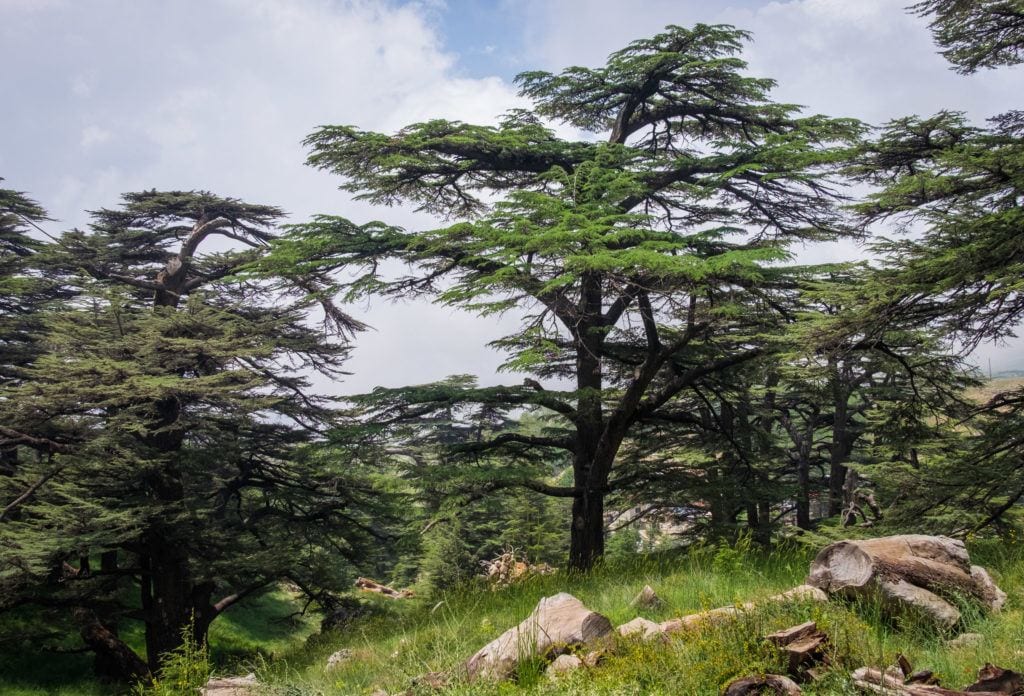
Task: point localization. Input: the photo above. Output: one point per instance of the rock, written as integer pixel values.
(563, 664)
(800, 593)
(910, 570)
(966, 640)
(991, 595)
(339, 657)
(647, 599)
(641, 627)
(231, 686)
(901, 594)
(594, 658)
(557, 623)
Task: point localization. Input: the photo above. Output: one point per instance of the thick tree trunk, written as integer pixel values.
(173, 603)
(587, 537)
(589, 473)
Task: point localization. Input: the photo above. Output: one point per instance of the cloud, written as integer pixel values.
(218, 95)
(122, 95)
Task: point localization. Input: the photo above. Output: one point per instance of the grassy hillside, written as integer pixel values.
(407, 638)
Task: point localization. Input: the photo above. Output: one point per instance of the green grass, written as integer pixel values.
(407, 638)
(257, 631)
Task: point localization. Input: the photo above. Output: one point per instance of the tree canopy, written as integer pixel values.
(644, 257)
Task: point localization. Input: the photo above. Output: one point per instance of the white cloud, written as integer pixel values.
(94, 135)
(218, 95)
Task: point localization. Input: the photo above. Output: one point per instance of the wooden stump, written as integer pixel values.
(912, 570)
(762, 684)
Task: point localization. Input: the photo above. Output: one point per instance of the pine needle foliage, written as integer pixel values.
(643, 257)
(187, 466)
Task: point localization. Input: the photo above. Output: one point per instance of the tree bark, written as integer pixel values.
(587, 536)
(122, 664)
(586, 539)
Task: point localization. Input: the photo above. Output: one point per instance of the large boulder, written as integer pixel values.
(906, 571)
(557, 623)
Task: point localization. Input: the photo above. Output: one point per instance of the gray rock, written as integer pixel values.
(563, 664)
(558, 622)
(231, 686)
(338, 658)
(966, 640)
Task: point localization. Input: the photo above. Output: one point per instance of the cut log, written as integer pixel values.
(762, 684)
(555, 625)
(231, 686)
(803, 644)
(912, 570)
(647, 599)
(792, 634)
(874, 681)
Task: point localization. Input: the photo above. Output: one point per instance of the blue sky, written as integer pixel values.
(106, 96)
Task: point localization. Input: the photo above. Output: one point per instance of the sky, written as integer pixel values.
(101, 97)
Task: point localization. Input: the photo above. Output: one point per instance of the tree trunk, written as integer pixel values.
(587, 532)
(8, 461)
(803, 494)
(587, 537)
(121, 663)
(171, 604)
(107, 665)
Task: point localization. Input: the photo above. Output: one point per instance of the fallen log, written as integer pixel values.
(712, 617)
(367, 585)
(762, 684)
(992, 681)
(911, 570)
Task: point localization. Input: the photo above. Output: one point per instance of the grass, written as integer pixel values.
(259, 630)
(407, 638)
(410, 639)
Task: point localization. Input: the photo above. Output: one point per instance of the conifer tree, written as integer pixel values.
(189, 466)
(643, 256)
(959, 189)
(977, 33)
(23, 291)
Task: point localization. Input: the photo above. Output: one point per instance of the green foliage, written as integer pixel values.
(646, 260)
(976, 33)
(180, 460)
(184, 671)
